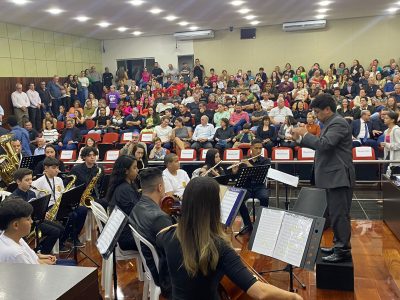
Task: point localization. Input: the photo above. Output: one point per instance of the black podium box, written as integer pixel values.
(334, 276)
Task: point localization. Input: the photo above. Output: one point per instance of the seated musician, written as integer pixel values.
(210, 168)
(122, 192)
(259, 191)
(85, 171)
(15, 222)
(150, 219)
(198, 254)
(175, 179)
(49, 151)
(212, 159)
(54, 186)
(51, 231)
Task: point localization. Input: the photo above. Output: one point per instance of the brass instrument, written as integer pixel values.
(9, 162)
(87, 194)
(52, 213)
(239, 163)
(45, 192)
(210, 169)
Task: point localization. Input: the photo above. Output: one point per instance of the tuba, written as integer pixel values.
(87, 194)
(9, 162)
(52, 213)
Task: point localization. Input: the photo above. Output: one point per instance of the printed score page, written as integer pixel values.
(110, 230)
(292, 239)
(268, 230)
(227, 203)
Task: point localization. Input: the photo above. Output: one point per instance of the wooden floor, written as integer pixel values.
(376, 256)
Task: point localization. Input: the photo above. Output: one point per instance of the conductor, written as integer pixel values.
(333, 171)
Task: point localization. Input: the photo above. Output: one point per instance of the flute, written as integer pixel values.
(210, 169)
(247, 159)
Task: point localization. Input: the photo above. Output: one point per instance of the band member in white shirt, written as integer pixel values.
(175, 179)
(54, 185)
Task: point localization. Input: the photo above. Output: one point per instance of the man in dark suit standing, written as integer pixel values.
(362, 131)
(333, 171)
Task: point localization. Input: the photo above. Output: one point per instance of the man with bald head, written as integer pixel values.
(203, 134)
(20, 103)
(41, 145)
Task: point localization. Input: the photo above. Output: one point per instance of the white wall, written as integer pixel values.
(165, 49)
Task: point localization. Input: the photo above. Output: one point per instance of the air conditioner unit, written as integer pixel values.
(304, 25)
(194, 35)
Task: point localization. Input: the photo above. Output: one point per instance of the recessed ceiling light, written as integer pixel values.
(183, 23)
(392, 9)
(322, 10)
(103, 24)
(171, 18)
(20, 2)
(193, 27)
(136, 2)
(122, 29)
(255, 22)
(324, 3)
(244, 11)
(155, 11)
(250, 17)
(137, 33)
(237, 2)
(55, 11)
(320, 16)
(82, 18)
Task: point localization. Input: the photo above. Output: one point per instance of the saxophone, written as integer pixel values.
(87, 194)
(52, 213)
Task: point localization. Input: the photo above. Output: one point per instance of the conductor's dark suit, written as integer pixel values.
(334, 171)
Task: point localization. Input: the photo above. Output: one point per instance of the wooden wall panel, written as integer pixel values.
(7, 87)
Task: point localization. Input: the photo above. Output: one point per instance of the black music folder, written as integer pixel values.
(291, 237)
(40, 206)
(231, 199)
(69, 201)
(112, 230)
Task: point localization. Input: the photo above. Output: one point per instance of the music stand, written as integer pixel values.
(30, 162)
(287, 180)
(289, 237)
(40, 206)
(69, 202)
(248, 178)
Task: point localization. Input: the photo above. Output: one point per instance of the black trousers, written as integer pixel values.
(261, 193)
(339, 204)
(51, 231)
(35, 117)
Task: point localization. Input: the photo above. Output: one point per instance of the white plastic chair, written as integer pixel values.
(150, 289)
(101, 218)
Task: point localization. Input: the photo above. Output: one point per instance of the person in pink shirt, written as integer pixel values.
(126, 109)
(238, 119)
(146, 75)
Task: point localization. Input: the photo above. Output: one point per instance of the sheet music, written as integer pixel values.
(268, 231)
(109, 231)
(227, 204)
(292, 238)
(283, 177)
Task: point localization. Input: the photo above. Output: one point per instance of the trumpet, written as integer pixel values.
(242, 161)
(210, 169)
